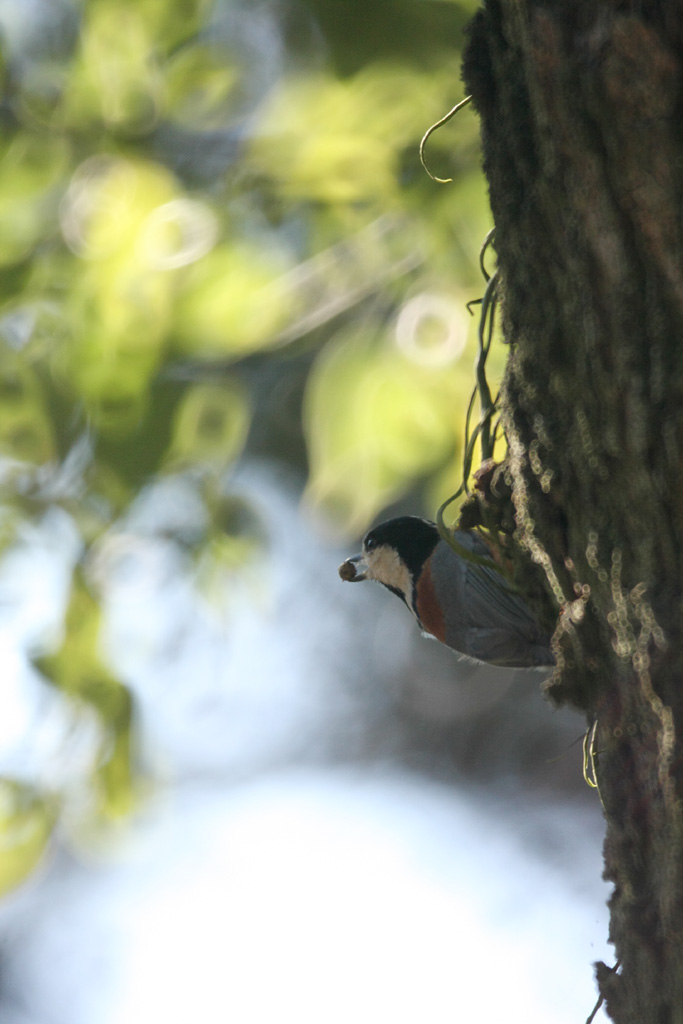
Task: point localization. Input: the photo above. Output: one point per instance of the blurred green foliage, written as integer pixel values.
(27, 818)
(186, 201)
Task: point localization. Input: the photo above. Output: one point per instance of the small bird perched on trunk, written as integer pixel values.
(466, 603)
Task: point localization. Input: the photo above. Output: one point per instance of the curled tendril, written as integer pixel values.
(430, 131)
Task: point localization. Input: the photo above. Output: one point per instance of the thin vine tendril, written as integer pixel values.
(430, 131)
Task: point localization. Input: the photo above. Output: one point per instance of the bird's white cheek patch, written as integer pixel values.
(385, 566)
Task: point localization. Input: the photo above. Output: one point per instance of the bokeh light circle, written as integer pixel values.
(431, 330)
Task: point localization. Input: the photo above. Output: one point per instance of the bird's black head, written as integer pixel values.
(412, 538)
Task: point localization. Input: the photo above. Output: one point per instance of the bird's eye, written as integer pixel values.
(370, 543)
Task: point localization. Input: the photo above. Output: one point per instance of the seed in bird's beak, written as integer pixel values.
(348, 571)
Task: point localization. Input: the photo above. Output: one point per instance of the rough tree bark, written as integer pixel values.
(581, 107)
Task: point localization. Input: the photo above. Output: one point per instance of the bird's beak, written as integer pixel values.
(348, 571)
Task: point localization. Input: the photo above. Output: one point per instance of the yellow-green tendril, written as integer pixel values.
(448, 536)
(430, 131)
(589, 769)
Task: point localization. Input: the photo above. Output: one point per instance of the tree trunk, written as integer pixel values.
(581, 107)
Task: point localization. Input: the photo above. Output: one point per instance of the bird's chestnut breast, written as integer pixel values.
(427, 605)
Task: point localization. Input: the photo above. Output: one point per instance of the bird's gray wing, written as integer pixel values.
(493, 603)
(490, 599)
(493, 623)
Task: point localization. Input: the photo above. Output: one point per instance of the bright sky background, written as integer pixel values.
(265, 880)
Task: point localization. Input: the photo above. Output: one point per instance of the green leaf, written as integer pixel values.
(26, 822)
(25, 428)
(375, 421)
(234, 301)
(32, 168)
(210, 426)
(80, 672)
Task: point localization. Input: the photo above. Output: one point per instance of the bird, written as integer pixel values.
(465, 602)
